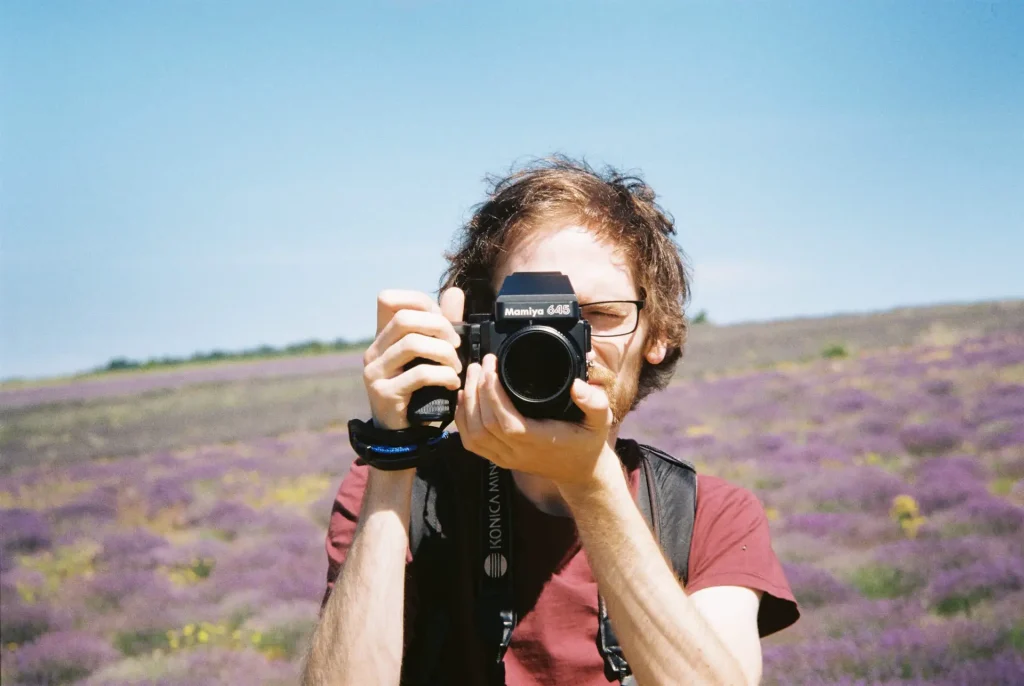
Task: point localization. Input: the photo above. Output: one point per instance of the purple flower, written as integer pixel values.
(933, 438)
(133, 548)
(216, 665)
(988, 514)
(879, 424)
(849, 527)
(231, 518)
(936, 386)
(899, 654)
(90, 509)
(23, 531)
(958, 590)
(109, 590)
(1000, 435)
(167, 492)
(815, 587)
(943, 482)
(23, 623)
(848, 400)
(999, 403)
(61, 657)
(862, 489)
(952, 467)
(1005, 668)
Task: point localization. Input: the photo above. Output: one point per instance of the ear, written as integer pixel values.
(656, 351)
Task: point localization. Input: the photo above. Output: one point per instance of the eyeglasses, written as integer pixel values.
(612, 317)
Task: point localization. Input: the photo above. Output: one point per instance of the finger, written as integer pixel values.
(460, 420)
(403, 385)
(593, 401)
(411, 321)
(475, 435)
(453, 304)
(392, 300)
(470, 399)
(486, 402)
(498, 404)
(411, 347)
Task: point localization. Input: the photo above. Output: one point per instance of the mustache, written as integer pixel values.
(601, 375)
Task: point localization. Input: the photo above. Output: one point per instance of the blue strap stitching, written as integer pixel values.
(397, 450)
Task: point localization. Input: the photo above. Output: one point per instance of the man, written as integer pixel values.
(577, 528)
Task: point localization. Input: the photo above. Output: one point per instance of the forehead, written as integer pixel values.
(597, 269)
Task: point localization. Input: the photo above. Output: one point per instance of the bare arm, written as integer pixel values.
(663, 633)
(359, 637)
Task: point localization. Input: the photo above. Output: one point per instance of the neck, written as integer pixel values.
(543, 493)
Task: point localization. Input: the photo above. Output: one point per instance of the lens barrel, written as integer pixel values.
(537, 365)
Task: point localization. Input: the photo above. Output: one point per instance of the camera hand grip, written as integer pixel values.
(430, 403)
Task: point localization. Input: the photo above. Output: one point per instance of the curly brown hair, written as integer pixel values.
(618, 207)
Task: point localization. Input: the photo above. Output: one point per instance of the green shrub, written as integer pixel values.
(881, 581)
(834, 351)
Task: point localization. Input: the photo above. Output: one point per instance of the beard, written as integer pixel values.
(620, 388)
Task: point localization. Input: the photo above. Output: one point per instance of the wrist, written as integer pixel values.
(605, 477)
(389, 489)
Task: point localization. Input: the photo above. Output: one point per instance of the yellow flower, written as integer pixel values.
(903, 507)
(203, 636)
(189, 629)
(911, 525)
(256, 638)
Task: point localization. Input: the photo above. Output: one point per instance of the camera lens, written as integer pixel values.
(537, 364)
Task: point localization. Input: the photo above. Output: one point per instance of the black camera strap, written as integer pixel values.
(667, 500)
(495, 607)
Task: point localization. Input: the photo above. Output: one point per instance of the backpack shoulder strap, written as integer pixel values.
(671, 496)
(667, 498)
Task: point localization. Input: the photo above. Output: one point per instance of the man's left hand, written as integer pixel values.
(565, 452)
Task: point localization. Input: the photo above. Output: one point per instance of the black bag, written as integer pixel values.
(667, 498)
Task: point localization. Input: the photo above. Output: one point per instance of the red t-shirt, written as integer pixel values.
(555, 591)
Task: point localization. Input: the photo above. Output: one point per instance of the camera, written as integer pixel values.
(541, 343)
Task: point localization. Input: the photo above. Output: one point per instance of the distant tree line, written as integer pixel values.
(311, 347)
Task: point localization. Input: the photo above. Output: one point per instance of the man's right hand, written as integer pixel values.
(410, 325)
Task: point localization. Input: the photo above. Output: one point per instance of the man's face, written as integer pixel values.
(598, 272)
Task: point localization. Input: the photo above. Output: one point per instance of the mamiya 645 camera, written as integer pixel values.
(541, 343)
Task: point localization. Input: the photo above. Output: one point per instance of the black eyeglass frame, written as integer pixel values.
(639, 308)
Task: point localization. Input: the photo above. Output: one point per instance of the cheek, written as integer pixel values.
(608, 353)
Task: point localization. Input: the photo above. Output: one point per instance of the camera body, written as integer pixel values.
(541, 343)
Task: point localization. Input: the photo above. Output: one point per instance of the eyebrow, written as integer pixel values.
(585, 301)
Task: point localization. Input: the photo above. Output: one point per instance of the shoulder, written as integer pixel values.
(717, 497)
(732, 546)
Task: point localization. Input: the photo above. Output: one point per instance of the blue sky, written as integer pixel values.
(185, 176)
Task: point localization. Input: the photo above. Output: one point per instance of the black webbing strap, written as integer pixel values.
(667, 498)
(496, 614)
(430, 529)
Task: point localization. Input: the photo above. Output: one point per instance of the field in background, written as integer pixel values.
(893, 478)
(126, 413)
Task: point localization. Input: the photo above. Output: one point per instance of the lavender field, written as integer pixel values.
(894, 482)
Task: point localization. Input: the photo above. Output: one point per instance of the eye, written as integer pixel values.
(603, 311)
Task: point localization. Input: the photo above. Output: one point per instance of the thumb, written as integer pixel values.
(593, 401)
(453, 302)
